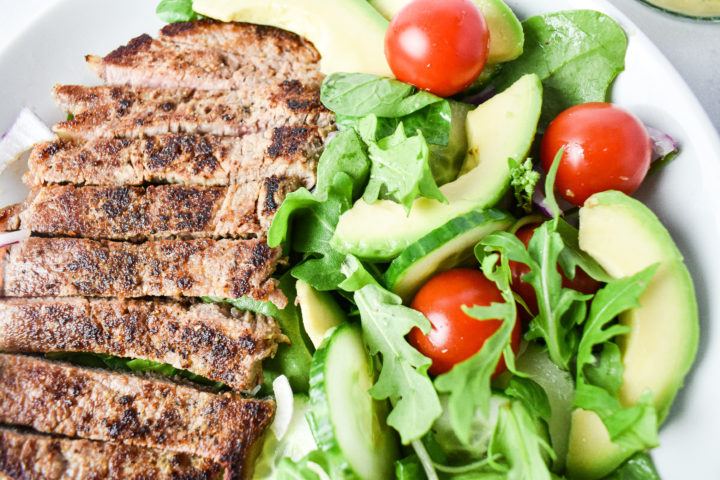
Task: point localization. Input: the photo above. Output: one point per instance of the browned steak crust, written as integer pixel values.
(127, 112)
(193, 59)
(205, 339)
(29, 456)
(190, 268)
(176, 158)
(58, 398)
(164, 211)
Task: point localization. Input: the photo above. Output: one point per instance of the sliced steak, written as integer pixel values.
(176, 158)
(41, 267)
(261, 55)
(58, 398)
(127, 112)
(205, 339)
(163, 211)
(29, 456)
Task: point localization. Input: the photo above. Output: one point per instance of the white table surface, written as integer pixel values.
(692, 47)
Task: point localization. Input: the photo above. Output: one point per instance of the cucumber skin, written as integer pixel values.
(319, 416)
(439, 237)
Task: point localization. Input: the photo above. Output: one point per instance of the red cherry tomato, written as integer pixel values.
(439, 46)
(606, 148)
(582, 282)
(455, 336)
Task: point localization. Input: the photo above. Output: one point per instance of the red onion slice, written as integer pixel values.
(8, 238)
(662, 143)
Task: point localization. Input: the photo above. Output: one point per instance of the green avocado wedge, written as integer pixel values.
(319, 311)
(506, 32)
(624, 237)
(499, 129)
(349, 34)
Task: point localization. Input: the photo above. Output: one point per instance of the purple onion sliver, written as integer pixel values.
(482, 96)
(662, 143)
(538, 199)
(16, 236)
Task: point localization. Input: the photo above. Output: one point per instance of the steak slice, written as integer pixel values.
(261, 55)
(63, 267)
(217, 343)
(176, 158)
(128, 112)
(29, 456)
(163, 211)
(62, 399)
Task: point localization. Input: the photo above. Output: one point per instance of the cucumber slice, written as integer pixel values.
(346, 420)
(446, 247)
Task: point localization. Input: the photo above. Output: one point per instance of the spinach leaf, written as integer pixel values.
(403, 377)
(400, 171)
(637, 467)
(171, 11)
(576, 53)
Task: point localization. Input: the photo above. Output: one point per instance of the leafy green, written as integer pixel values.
(600, 377)
(316, 465)
(576, 53)
(531, 395)
(357, 275)
(637, 467)
(572, 257)
(403, 377)
(171, 11)
(409, 468)
(519, 445)
(342, 169)
(101, 360)
(400, 171)
(523, 180)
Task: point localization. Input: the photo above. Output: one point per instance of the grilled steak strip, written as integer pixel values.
(62, 399)
(262, 55)
(204, 338)
(29, 456)
(125, 112)
(164, 211)
(41, 267)
(174, 158)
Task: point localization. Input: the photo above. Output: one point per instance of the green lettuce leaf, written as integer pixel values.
(403, 377)
(576, 53)
(637, 467)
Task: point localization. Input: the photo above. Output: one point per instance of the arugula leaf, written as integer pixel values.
(357, 275)
(468, 382)
(523, 180)
(403, 377)
(517, 442)
(400, 171)
(576, 53)
(637, 467)
(360, 94)
(599, 379)
(316, 465)
(171, 11)
(572, 257)
(112, 362)
(531, 395)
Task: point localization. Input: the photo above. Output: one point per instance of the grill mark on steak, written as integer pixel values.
(194, 60)
(178, 158)
(172, 268)
(129, 112)
(155, 212)
(30, 456)
(58, 398)
(204, 338)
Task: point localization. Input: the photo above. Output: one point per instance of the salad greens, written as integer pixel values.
(171, 11)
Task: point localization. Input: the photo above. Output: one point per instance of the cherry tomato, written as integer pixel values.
(439, 46)
(455, 336)
(606, 148)
(582, 282)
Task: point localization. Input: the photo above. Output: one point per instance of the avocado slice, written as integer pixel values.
(506, 32)
(624, 237)
(501, 128)
(320, 312)
(349, 34)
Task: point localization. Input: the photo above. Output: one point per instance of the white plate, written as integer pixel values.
(685, 195)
